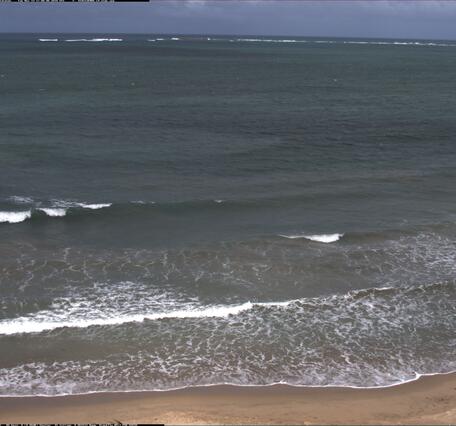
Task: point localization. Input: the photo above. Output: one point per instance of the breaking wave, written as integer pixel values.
(77, 313)
(53, 212)
(58, 208)
(364, 338)
(321, 238)
(15, 217)
(93, 39)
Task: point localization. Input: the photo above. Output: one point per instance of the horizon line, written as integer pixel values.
(226, 35)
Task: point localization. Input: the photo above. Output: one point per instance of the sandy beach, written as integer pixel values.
(429, 400)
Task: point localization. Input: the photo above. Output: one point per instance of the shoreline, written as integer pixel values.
(426, 400)
(419, 376)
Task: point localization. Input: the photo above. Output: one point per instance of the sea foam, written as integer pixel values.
(93, 39)
(32, 324)
(321, 238)
(20, 199)
(15, 217)
(77, 314)
(53, 212)
(72, 204)
(94, 206)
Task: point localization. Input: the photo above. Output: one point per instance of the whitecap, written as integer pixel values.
(21, 200)
(106, 39)
(94, 39)
(321, 238)
(46, 321)
(81, 314)
(68, 204)
(142, 202)
(53, 212)
(48, 39)
(94, 206)
(15, 217)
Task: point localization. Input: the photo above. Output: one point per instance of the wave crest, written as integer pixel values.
(71, 315)
(15, 217)
(321, 238)
(53, 212)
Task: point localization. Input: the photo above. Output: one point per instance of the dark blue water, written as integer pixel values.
(179, 211)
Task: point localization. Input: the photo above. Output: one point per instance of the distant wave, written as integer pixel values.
(73, 204)
(142, 202)
(269, 40)
(164, 39)
(254, 40)
(321, 238)
(365, 42)
(94, 206)
(58, 208)
(15, 217)
(93, 39)
(400, 43)
(82, 39)
(53, 212)
(20, 200)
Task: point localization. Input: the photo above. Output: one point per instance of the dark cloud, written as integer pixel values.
(400, 19)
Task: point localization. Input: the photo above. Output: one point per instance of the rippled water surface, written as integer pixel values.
(180, 211)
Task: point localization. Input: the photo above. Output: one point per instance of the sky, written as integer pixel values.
(384, 19)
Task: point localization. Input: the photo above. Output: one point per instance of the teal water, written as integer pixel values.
(234, 209)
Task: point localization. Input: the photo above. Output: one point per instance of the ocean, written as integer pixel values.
(181, 211)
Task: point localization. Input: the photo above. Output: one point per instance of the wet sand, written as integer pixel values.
(429, 400)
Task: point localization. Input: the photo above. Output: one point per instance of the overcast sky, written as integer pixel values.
(392, 19)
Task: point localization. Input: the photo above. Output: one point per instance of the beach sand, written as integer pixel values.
(429, 400)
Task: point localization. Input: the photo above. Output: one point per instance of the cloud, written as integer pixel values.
(394, 19)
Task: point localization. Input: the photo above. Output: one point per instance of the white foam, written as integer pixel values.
(362, 42)
(94, 206)
(219, 201)
(394, 43)
(48, 39)
(105, 305)
(263, 40)
(94, 39)
(53, 212)
(321, 238)
(15, 217)
(21, 200)
(69, 204)
(175, 38)
(142, 202)
(106, 39)
(35, 324)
